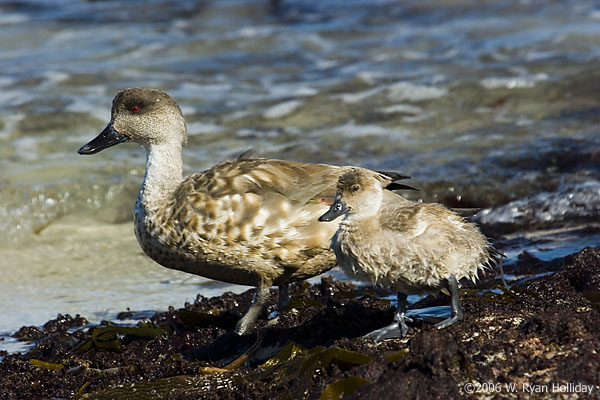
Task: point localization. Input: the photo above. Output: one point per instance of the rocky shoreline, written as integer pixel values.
(540, 338)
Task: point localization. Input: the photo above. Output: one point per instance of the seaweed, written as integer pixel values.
(293, 369)
(300, 303)
(159, 389)
(108, 337)
(507, 296)
(342, 388)
(592, 296)
(46, 364)
(395, 356)
(212, 317)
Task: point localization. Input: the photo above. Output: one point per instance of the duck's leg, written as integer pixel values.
(398, 326)
(457, 313)
(284, 297)
(246, 322)
(284, 300)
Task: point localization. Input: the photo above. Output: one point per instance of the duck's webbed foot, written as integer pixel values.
(248, 320)
(397, 328)
(457, 312)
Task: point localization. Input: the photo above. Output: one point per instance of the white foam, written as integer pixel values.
(370, 77)
(406, 91)
(26, 148)
(519, 82)
(401, 109)
(9, 19)
(10, 123)
(595, 15)
(351, 129)
(7, 81)
(277, 91)
(86, 104)
(208, 92)
(352, 98)
(54, 77)
(254, 31)
(411, 119)
(197, 128)
(236, 115)
(187, 110)
(12, 345)
(10, 98)
(572, 201)
(282, 109)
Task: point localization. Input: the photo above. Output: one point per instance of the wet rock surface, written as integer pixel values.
(540, 337)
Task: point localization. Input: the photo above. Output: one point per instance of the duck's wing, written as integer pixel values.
(248, 154)
(300, 183)
(398, 215)
(296, 181)
(270, 206)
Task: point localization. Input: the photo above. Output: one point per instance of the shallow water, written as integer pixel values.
(492, 105)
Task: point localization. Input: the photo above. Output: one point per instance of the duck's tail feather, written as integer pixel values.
(396, 176)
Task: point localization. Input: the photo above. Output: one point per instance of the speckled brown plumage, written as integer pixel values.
(248, 222)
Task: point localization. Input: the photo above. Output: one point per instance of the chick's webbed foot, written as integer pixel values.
(398, 327)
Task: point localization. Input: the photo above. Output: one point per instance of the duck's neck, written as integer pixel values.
(363, 216)
(164, 172)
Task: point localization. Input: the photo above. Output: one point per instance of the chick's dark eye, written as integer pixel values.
(134, 109)
(355, 188)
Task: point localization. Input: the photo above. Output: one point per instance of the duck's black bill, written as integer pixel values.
(337, 208)
(107, 138)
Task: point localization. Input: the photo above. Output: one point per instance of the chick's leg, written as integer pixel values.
(398, 326)
(457, 312)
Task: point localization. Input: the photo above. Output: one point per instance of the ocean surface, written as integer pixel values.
(486, 104)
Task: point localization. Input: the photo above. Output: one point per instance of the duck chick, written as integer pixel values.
(248, 221)
(414, 247)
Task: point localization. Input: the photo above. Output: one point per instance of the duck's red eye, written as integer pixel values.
(134, 109)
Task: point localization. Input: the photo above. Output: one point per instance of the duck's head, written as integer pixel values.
(359, 191)
(145, 116)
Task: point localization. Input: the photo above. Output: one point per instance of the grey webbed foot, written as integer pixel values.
(447, 322)
(456, 312)
(397, 328)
